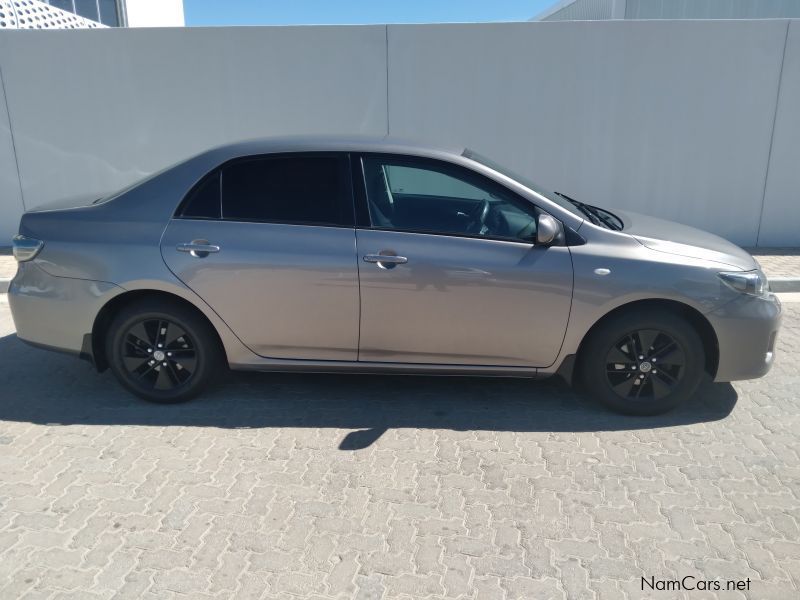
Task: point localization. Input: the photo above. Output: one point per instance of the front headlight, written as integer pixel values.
(747, 282)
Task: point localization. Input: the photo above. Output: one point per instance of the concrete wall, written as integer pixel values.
(672, 118)
(11, 206)
(93, 113)
(780, 218)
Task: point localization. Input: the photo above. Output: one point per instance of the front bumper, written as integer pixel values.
(55, 312)
(747, 330)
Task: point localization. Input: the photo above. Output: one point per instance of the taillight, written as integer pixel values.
(25, 248)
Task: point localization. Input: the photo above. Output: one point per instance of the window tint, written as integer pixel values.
(299, 189)
(203, 201)
(411, 180)
(550, 195)
(427, 196)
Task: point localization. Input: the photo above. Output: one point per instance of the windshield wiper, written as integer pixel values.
(584, 208)
(609, 218)
(595, 215)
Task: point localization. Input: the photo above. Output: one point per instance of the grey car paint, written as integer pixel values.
(288, 291)
(684, 240)
(463, 300)
(524, 311)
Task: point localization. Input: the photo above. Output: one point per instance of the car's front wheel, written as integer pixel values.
(642, 362)
(163, 351)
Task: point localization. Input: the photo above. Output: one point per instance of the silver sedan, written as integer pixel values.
(356, 255)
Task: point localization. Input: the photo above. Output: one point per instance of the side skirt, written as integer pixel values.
(322, 366)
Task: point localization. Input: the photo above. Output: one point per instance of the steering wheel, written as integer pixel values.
(477, 220)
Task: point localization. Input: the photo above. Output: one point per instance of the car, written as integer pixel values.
(357, 255)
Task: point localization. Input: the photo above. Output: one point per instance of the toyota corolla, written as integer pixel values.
(354, 255)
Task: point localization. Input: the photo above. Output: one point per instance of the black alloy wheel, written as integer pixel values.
(159, 353)
(646, 364)
(163, 351)
(642, 361)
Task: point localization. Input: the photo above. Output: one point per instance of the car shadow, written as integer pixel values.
(49, 388)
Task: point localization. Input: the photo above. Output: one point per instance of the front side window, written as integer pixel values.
(428, 196)
(554, 197)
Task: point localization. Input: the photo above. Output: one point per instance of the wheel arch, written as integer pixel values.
(111, 308)
(695, 318)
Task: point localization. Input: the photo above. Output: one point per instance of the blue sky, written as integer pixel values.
(306, 12)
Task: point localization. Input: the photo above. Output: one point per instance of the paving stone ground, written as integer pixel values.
(314, 486)
(778, 262)
(8, 266)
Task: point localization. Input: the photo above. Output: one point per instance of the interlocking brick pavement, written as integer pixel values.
(778, 262)
(313, 486)
(8, 266)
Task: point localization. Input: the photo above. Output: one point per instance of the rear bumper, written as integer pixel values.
(747, 329)
(55, 312)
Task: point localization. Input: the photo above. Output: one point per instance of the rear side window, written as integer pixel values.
(203, 201)
(289, 189)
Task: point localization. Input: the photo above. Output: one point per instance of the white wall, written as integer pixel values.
(780, 222)
(93, 113)
(672, 118)
(154, 13)
(11, 206)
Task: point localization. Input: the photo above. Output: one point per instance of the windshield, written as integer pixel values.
(550, 195)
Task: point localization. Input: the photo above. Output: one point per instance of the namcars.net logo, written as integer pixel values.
(691, 583)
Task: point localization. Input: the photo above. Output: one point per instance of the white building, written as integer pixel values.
(602, 10)
(78, 14)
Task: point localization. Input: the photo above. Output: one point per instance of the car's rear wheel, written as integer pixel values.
(162, 351)
(643, 362)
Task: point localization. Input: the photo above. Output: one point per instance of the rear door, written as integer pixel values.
(269, 243)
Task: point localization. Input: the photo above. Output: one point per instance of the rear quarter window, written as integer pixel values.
(204, 200)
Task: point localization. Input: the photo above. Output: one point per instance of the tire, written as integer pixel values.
(609, 363)
(190, 347)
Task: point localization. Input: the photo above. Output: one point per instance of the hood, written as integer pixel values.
(673, 238)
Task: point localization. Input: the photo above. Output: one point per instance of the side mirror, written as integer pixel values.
(548, 230)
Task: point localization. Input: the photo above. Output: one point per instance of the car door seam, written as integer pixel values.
(185, 286)
(569, 312)
(358, 276)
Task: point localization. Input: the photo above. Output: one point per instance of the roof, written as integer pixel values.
(345, 143)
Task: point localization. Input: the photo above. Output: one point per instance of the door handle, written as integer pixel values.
(198, 248)
(385, 261)
(389, 259)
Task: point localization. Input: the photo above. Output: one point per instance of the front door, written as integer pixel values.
(268, 243)
(449, 273)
